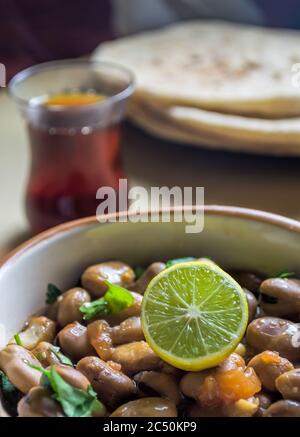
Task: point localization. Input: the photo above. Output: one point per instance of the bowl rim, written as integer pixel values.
(255, 215)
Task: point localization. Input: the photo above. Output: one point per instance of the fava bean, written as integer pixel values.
(74, 341)
(115, 272)
(272, 333)
(69, 304)
(153, 270)
(38, 329)
(16, 361)
(111, 385)
(288, 384)
(147, 407)
(39, 402)
(160, 384)
(269, 366)
(249, 280)
(252, 304)
(285, 408)
(285, 296)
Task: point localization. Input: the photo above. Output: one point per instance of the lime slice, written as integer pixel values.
(194, 315)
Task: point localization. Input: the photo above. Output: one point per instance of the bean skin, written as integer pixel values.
(14, 362)
(74, 342)
(272, 333)
(286, 295)
(285, 408)
(147, 407)
(288, 384)
(252, 304)
(269, 366)
(115, 272)
(153, 270)
(111, 385)
(68, 308)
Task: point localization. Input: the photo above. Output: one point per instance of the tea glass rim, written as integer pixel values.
(24, 74)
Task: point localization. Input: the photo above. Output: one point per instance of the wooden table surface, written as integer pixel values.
(262, 182)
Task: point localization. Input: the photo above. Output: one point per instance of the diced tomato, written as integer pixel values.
(269, 357)
(237, 384)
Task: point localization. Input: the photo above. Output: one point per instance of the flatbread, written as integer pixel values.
(205, 128)
(254, 130)
(217, 66)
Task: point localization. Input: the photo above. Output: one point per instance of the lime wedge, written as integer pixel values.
(194, 315)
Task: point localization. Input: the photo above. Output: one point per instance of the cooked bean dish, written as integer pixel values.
(105, 347)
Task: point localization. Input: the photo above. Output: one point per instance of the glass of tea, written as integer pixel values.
(73, 110)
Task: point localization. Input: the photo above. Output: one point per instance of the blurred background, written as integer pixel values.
(32, 32)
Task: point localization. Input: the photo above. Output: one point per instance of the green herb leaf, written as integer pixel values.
(62, 358)
(74, 402)
(172, 262)
(139, 270)
(39, 368)
(284, 275)
(118, 298)
(115, 300)
(9, 394)
(52, 293)
(6, 385)
(92, 310)
(18, 339)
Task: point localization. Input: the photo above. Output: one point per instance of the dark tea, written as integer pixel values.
(68, 166)
(73, 110)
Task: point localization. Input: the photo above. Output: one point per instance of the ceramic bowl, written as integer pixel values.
(233, 237)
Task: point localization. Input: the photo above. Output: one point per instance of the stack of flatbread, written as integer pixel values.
(215, 84)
